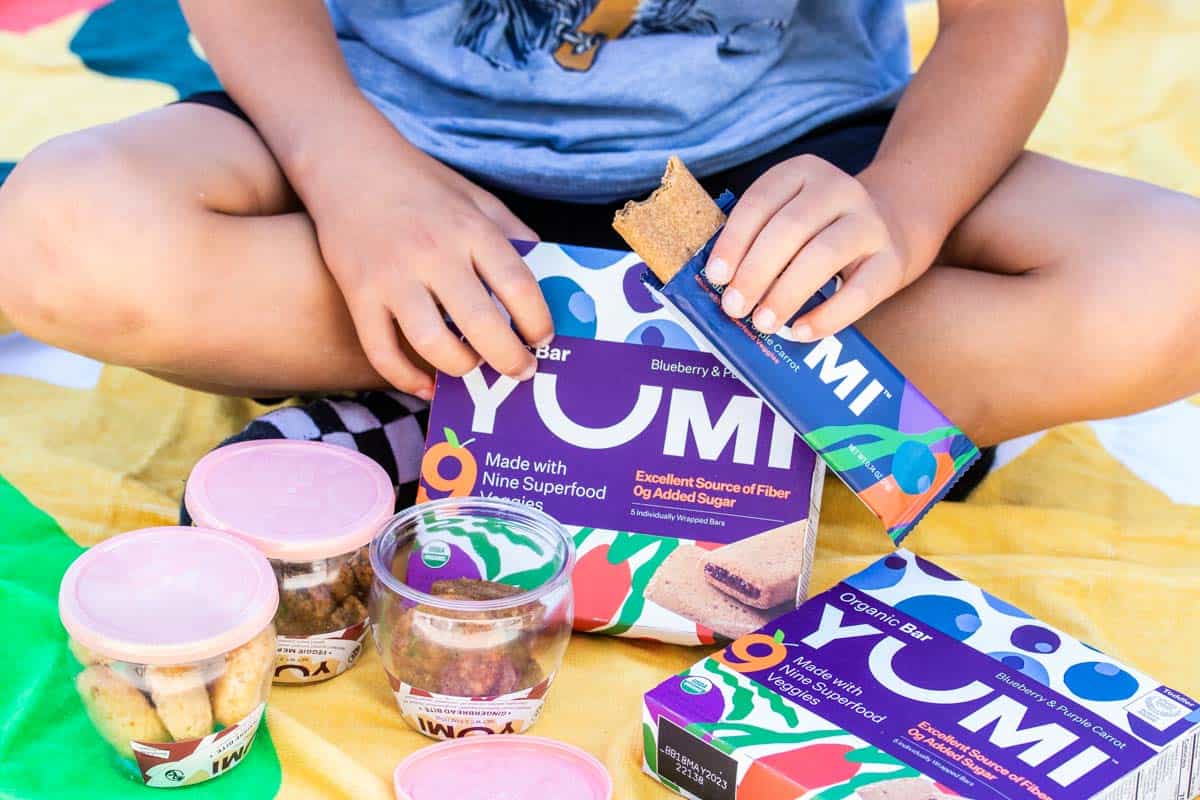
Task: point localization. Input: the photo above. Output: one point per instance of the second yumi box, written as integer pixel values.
(692, 505)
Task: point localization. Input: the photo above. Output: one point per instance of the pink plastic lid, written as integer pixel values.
(167, 595)
(294, 501)
(502, 766)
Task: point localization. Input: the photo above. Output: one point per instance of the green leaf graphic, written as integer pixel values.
(823, 440)
(482, 547)
(773, 701)
(965, 457)
(826, 437)
(778, 705)
(696, 730)
(631, 610)
(451, 437)
(649, 748)
(479, 532)
(738, 734)
(626, 545)
(742, 702)
(501, 528)
(845, 458)
(873, 755)
(530, 578)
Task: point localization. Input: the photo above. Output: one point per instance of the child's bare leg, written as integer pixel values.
(1073, 295)
(172, 243)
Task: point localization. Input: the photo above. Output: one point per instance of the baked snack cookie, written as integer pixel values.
(119, 711)
(181, 699)
(317, 597)
(679, 585)
(764, 570)
(463, 653)
(351, 611)
(672, 224)
(240, 688)
(472, 589)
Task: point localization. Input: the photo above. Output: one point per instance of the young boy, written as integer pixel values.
(309, 230)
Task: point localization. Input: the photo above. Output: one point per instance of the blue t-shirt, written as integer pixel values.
(584, 100)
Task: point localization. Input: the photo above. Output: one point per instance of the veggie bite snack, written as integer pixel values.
(465, 654)
(872, 427)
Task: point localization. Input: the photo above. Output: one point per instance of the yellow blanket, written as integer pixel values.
(1094, 527)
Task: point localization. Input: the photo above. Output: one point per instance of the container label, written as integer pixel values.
(167, 764)
(310, 659)
(442, 716)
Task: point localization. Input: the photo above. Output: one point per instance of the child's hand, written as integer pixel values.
(407, 238)
(797, 226)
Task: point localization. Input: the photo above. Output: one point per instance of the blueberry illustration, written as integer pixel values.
(1100, 680)
(914, 467)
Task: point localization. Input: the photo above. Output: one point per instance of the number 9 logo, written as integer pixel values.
(431, 475)
(752, 662)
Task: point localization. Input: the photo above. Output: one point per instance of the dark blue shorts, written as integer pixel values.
(849, 143)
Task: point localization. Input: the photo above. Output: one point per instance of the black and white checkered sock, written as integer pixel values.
(388, 427)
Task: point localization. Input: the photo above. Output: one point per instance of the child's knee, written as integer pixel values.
(1164, 291)
(73, 220)
(1135, 298)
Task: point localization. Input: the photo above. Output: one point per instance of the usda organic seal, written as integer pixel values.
(436, 554)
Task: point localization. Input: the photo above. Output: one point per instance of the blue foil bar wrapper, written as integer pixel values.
(873, 428)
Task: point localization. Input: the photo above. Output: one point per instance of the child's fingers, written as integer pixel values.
(761, 202)
(380, 341)
(845, 241)
(476, 315)
(510, 279)
(783, 236)
(871, 282)
(512, 226)
(426, 331)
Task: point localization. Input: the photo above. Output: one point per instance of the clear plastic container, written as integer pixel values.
(323, 595)
(471, 611)
(172, 631)
(312, 509)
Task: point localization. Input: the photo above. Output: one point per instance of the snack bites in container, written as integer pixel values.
(906, 682)
(172, 630)
(471, 611)
(312, 509)
(873, 428)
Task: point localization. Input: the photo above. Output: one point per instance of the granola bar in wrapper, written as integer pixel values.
(870, 424)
